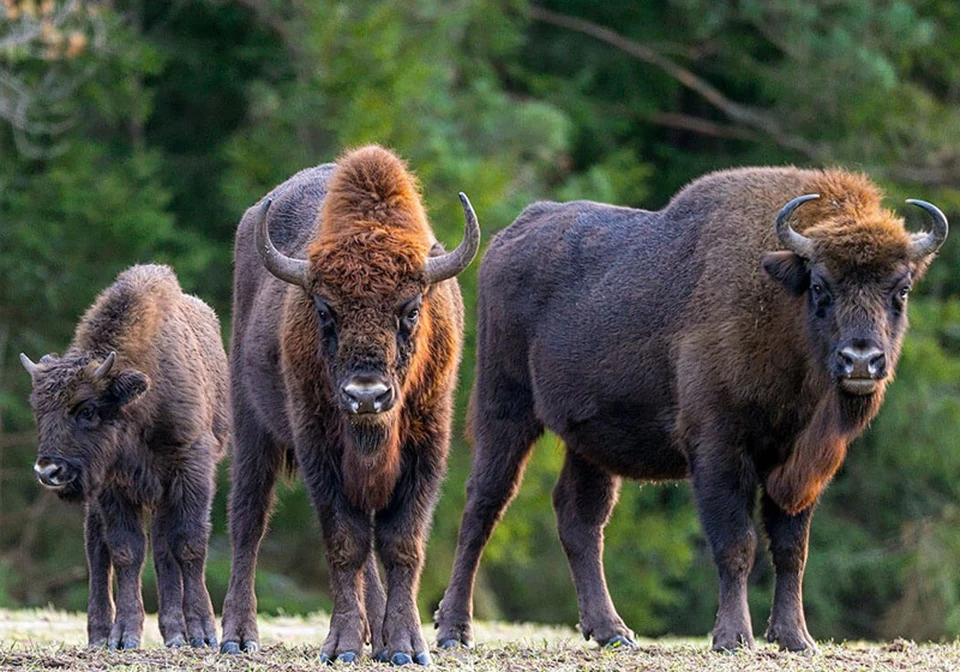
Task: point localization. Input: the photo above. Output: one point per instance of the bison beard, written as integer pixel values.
(725, 338)
(371, 462)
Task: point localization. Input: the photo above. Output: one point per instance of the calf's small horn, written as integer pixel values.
(28, 364)
(104, 368)
(790, 239)
(932, 241)
(286, 268)
(450, 264)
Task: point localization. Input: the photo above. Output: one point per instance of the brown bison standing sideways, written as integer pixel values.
(700, 341)
(346, 341)
(133, 416)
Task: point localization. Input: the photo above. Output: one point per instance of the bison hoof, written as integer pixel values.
(383, 656)
(422, 658)
(230, 648)
(455, 643)
(345, 657)
(200, 642)
(618, 641)
(234, 648)
(125, 644)
(400, 659)
(175, 642)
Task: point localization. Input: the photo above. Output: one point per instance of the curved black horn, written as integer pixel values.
(931, 242)
(28, 364)
(450, 264)
(104, 368)
(286, 268)
(790, 239)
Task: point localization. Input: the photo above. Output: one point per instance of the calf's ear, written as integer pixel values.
(789, 269)
(127, 386)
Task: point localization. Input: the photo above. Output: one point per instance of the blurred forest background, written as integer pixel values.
(136, 130)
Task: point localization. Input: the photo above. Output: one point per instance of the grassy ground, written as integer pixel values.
(49, 640)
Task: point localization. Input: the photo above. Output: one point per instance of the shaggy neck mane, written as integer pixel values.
(851, 230)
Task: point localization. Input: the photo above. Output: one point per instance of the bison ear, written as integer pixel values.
(128, 386)
(789, 269)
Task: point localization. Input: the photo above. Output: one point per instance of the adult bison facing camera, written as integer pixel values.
(702, 341)
(347, 326)
(134, 416)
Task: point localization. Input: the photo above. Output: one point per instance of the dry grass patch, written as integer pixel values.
(50, 640)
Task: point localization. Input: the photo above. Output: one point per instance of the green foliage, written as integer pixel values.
(196, 108)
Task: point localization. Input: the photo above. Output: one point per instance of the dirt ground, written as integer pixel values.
(50, 640)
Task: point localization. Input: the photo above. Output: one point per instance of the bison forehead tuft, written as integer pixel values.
(377, 262)
(372, 187)
(880, 241)
(64, 382)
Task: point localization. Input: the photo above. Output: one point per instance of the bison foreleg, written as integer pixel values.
(375, 600)
(347, 536)
(401, 533)
(127, 542)
(256, 460)
(788, 545)
(583, 499)
(724, 488)
(100, 604)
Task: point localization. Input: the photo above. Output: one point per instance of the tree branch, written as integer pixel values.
(736, 112)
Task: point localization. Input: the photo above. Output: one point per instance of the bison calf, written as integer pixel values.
(711, 340)
(133, 416)
(347, 326)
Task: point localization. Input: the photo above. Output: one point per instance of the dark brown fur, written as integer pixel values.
(373, 480)
(681, 343)
(156, 429)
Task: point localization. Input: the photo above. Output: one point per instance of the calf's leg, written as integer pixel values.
(100, 604)
(789, 536)
(127, 542)
(190, 537)
(254, 474)
(173, 628)
(583, 499)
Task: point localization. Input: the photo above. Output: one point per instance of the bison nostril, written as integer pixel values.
(846, 361)
(862, 362)
(367, 395)
(877, 365)
(49, 473)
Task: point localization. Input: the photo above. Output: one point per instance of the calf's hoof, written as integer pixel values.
(231, 647)
(619, 641)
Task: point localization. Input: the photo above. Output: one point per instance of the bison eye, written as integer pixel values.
(817, 290)
(903, 293)
(410, 313)
(87, 416)
(324, 313)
